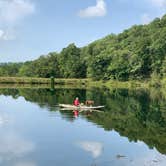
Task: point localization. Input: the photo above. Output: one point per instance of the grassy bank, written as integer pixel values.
(29, 80)
(82, 82)
(23, 80)
(41, 86)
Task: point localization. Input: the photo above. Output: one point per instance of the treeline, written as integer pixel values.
(137, 53)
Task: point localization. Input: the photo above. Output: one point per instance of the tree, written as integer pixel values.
(70, 63)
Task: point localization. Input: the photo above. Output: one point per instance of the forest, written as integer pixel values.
(135, 54)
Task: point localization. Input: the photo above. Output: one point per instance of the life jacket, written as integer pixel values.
(76, 102)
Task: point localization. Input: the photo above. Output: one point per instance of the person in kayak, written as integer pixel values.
(76, 102)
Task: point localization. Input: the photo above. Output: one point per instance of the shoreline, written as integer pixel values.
(74, 82)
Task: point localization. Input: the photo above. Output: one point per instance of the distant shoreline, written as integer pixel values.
(35, 80)
(74, 82)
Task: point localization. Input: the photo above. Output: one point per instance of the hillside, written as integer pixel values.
(137, 53)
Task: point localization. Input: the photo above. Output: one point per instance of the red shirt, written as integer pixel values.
(76, 102)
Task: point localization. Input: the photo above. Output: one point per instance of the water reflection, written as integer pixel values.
(13, 146)
(95, 148)
(76, 113)
(138, 115)
(4, 118)
(25, 164)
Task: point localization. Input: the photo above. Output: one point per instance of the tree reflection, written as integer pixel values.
(136, 114)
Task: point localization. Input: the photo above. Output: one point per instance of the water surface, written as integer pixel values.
(130, 130)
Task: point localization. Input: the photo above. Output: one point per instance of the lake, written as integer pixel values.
(129, 131)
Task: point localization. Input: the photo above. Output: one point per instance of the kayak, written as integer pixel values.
(79, 107)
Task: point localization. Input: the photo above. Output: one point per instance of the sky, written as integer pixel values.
(31, 28)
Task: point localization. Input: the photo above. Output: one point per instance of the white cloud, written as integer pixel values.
(12, 11)
(159, 6)
(95, 148)
(146, 18)
(7, 34)
(159, 3)
(94, 11)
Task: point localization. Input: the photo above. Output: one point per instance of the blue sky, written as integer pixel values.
(30, 28)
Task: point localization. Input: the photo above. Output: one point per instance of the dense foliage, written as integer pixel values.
(137, 53)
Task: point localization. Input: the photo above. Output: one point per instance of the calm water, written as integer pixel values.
(130, 130)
